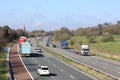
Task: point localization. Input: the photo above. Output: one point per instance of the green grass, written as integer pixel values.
(3, 67)
(77, 39)
(109, 50)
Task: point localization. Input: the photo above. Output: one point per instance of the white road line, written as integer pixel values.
(54, 65)
(93, 63)
(48, 61)
(104, 67)
(61, 70)
(72, 76)
(88, 58)
(35, 61)
(106, 64)
(51, 76)
(96, 60)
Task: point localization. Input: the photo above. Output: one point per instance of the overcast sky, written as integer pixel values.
(54, 14)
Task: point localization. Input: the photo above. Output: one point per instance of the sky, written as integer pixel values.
(51, 15)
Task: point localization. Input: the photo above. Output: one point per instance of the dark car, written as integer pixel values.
(54, 46)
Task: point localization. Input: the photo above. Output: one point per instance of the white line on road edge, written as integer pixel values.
(72, 76)
(23, 62)
(61, 70)
(9, 71)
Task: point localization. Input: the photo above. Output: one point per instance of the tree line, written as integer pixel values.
(106, 30)
(8, 35)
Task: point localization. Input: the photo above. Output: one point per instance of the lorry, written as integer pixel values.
(25, 48)
(84, 50)
(64, 44)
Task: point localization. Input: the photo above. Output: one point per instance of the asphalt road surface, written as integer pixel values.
(58, 69)
(103, 66)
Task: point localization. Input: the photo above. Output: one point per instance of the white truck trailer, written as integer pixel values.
(25, 48)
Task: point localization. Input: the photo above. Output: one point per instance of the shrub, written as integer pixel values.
(80, 42)
(107, 38)
(72, 42)
(91, 40)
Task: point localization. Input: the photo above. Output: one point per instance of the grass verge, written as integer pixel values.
(94, 73)
(3, 67)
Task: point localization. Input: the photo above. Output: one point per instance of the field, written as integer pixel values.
(105, 49)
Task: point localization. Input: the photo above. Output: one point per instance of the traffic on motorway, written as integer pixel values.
(102, 65)
(43, 66)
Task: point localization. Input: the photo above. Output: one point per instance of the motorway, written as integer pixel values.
(101, 65)
(58, 69)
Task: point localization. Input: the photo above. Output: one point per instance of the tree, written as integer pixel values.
(100, 29)
(107, 38)
(62, 34)
(118, 22)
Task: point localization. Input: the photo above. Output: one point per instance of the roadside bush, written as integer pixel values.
(107, 38)
(91, 40)
(72, 42)
(2, 44)
(80, 42)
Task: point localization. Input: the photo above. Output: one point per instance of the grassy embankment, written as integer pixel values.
(109, 50)
(96, 74)
(3, 67)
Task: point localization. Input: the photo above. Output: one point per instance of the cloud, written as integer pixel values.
(37, 24)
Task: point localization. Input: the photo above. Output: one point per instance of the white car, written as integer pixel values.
(39, 50)
(43, 70)
(36, 47)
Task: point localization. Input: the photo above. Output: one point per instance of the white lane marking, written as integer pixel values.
(119, 72)
(54, 65)
(33, 58)
(88, 58)
(35, 61)
(61, 70)
(106, 64)
(96, 60)
(72, 76)
(104, 67)
(77, 56)
(51, 76)
(93, 63)
(48, 61)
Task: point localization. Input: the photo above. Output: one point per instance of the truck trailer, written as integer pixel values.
(25, 48)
